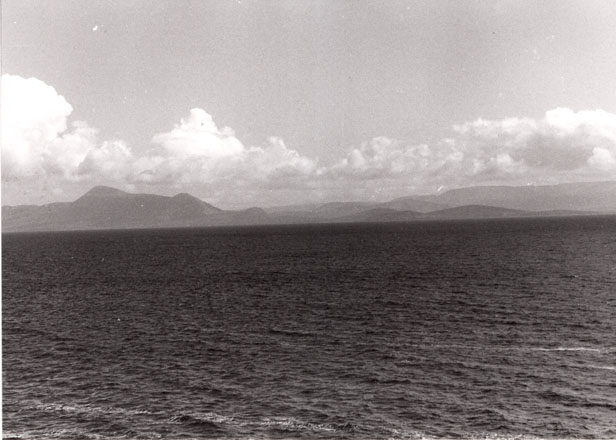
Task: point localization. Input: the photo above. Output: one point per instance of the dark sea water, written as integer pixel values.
(500, 329)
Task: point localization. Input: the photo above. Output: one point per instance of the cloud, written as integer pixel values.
(111, 159)
(198, 136)
(383, 158)
(41, 148)
(197, 151)
(563, 145)
(33, 116)
(37, 142)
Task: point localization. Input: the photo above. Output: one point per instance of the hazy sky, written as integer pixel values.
(274, 102)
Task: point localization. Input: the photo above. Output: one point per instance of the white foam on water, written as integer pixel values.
(51, 434)
(603, 367)
(82, 409)
(292, 424)
(286, 423)
(207, 417)
(281, 422)
(418, 435)
(507, 348)
(12, 435)
(213, 417)
(596, 350)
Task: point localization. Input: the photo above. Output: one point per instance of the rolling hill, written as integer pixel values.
(109, 208)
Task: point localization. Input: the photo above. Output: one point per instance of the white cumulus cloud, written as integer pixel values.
(33, 117)
(42, 148)
(37, 141)
(43, 151)
(199, 136)
(384, 157)
(563, 142)
(197, 151)
(563, 145)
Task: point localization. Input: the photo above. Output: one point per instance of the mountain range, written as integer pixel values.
(109, 208)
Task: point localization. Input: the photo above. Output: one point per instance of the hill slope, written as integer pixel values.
(584, 196)
(109, 208)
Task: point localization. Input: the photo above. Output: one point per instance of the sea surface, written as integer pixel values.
(500, 329)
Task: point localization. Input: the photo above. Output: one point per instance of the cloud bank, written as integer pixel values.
(37, 142)
(40, 145)
(197, 151)
(563, 145)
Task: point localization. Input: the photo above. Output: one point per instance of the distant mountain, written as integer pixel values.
(323, 210)
(476, 211)
(109, 208)
(585, 196)
(413, 204)
(563, 199)
(342, 209)
(380, 215)
(465, 212)
(104, 192)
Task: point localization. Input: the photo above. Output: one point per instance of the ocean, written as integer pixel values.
(491, 329)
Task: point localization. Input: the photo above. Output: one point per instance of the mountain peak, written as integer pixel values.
(104, 191)
(185, 196)
(186, 199)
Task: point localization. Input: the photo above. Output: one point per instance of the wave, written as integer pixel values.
(510, 348)
(298, 333)
(214, 425)
(292, 424)
(603, 367)
(418, 435)
(204, 425)
(58, 434)
(201, 417)
(596, 350)
(394, 435)
(64, 434)
(206, 421)
(196, 417)
(83, 409)
(281, 424)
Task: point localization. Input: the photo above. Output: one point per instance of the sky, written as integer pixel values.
(259, 103)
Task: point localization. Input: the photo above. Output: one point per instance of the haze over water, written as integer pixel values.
(495, 329)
